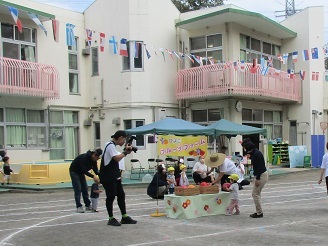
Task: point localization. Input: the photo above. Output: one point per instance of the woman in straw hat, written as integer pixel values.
(225, 166)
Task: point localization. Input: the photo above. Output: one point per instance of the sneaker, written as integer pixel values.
(128, 220)
(113, 222)
(94, 211)
(88, 208)
(236, 213)
(255, 215)
(80, 210)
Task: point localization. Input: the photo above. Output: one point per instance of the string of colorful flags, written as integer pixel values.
(122, 50)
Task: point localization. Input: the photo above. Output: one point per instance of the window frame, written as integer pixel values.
(74, 72)
(130, 60)
(133, 124)
(94, 61)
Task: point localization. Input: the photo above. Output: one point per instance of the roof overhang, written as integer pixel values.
(248, 19)
(23, 11)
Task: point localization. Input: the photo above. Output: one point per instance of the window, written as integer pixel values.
(16, 45)
(128, 124)
(207, 116)
(97, 135)
(25, 128)
(73, 67)
(134, 61)
(207, 47)
(95, 62)
(251, 48)
(270, 120)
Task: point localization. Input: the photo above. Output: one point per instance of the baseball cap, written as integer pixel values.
(118, 134)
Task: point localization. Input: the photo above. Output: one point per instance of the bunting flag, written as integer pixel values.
(102, 41)
(112, 41)
(162, 50)
(154, 50)
(177, 55)
(270, 61)
(279, 56)
(242, 66)
(295, 56)
(285, 58)
(254, 66)
(55, 30)
(189, 57)
(302, 74)
(235, 65)
(89, 37)
(124, 48)
(290, 72)
(136, 49)
(170, 54)
(195, 59)
(211, 61)
(200, 59)
(264, 67)
(70, 38)
(305, 55)
(276, 72)
(37, 21)
(147, 52)
(315, 76)
(315, 53)
(14, 14)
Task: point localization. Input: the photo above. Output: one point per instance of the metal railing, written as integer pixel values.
(28, 79)
(226, 80)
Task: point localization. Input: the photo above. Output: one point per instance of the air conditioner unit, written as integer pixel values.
(160, 114)
(88, 122)
(86, 51)
(116, 121)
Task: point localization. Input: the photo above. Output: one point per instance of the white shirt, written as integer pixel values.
(234, 191)
(228, 167)
(324, 164)
(201, 167)
(240, 171)
(110, 153)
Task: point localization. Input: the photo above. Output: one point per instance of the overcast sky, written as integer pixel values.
(265, 7)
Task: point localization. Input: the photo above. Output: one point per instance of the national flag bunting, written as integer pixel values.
(89, 37)
(242, 66)
(315, 53)
(305, 55)
(102, 41)
(162, 51)
(177, 55)
(295, 56)
(315, 76)
(189, 57)
(254, 66)
(302, 74)
(124, 48)
(285, 58)
(37, 21)
(113, 42)
(147, 52)
(168, 51)
(70, 38)
(154, 50)
(276, 72)
(290, 73)
(279, 56)
(55, 30)
(14, 14)
(235, 65)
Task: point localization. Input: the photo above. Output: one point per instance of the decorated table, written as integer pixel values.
(189, 207)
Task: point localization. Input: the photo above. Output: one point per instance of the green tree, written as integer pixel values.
(189, 5)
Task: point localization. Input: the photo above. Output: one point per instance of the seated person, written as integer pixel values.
(201, 172)
(158, 186)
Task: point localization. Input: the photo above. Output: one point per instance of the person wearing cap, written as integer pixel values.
(171, 179)
(183, 181)
(225, 166)
(110, 177)
(80, 167)
(201, 172)
(241, 172)
(260, 175)
(158, 186)
(234, 195)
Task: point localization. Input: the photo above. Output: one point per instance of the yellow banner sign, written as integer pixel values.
(182, 146)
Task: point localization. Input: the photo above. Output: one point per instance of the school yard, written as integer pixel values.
(295, 213)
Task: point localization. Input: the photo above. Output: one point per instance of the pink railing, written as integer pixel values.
(28, 79)
(224, 80)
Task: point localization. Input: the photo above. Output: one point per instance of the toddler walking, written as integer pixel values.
(6, 170)
(234, 195)
(94, 196)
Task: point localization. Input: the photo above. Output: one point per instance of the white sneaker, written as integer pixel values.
(80, 210)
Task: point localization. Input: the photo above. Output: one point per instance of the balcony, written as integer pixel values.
(28, 79)
(224, 81)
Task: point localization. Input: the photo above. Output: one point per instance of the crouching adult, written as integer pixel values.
(158, 186)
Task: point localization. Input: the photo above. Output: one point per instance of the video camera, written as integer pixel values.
(129, 143)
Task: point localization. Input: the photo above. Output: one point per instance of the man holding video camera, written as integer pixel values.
(110, 177)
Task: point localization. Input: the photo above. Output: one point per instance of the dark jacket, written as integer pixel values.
(110, 172)
(83, 163)
(6, 169)
(154, 184)
(258, 163)
(94, 188)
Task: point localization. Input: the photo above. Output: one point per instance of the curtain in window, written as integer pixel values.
(70, 136)
(15, 115)
(29, 53)
(2, 138)
(34, 116)
(269, 129)
(16, 135)
(276, 116)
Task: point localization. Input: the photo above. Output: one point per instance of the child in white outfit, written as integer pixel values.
(183, 178)
(234, 195)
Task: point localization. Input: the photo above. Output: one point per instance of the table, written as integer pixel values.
(189, 207)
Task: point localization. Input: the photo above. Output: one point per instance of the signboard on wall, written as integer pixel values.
(172, 145)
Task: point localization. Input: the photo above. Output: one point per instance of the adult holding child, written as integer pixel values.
(201, 171)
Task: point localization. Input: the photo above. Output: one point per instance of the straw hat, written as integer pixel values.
(215, 160)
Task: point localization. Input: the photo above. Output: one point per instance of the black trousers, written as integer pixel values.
(114, 189)
(198, 179)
